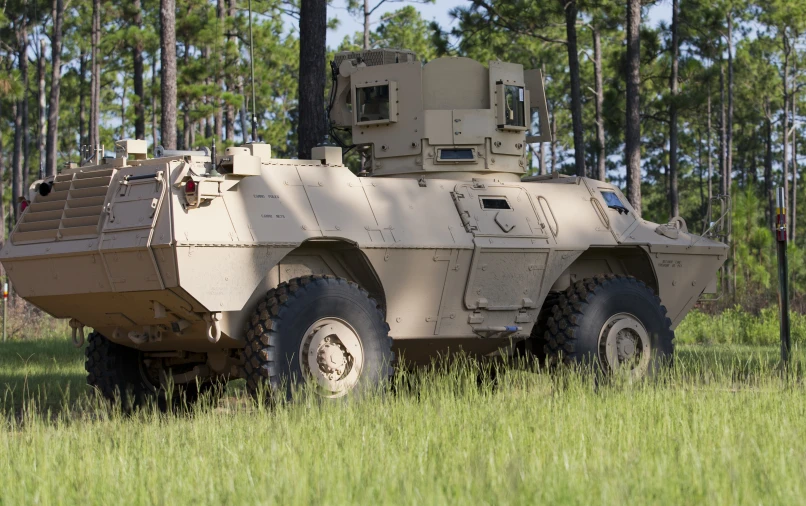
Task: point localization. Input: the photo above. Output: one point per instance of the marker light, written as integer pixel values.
(23, 205)
(190, 186)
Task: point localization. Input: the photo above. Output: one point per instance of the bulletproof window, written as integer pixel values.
(514, 104)
(455, 155)
(612, 199)
(613, 202)
(511, 106)
(375, 104)
(496, 203)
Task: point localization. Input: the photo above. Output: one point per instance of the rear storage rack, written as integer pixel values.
(72, 210)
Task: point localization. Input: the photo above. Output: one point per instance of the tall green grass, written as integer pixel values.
(723, 426)
(737, 326)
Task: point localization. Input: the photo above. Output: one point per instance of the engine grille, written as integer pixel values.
(72, 210)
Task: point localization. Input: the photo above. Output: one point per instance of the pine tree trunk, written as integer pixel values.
(633, 126)
(42, 108)
(601, 155)
(218, 115)
(366, 24)
(710, 151)
(16, 160)
(231, 83)
(576, 91)
(674, 198)
(168, 84)
(137, 58)
(55, 88)
(26, 136)
(2, 190)
(154, 140)
(82, 97)
(95, 80)
(723, 149)
(312, 44)
(729, 130)
(794, 203)
(785, 83)
(768, 187)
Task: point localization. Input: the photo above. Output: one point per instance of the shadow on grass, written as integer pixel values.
(45, 371)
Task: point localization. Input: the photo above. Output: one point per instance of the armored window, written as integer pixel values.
(614, 202)
(375, 104)
(511, 104)
(495, 203)
(456, 155)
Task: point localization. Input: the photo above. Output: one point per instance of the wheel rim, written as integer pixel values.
(331, 354)
(624, 344)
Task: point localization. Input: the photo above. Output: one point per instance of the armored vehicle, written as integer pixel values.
(194, 267)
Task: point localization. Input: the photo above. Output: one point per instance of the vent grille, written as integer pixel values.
(72, 210)
(374, 57)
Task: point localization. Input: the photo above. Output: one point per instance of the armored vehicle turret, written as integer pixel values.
(192, 268)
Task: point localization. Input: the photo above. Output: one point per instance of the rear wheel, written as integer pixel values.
(124, 378)
(615, 323)
(322, 331)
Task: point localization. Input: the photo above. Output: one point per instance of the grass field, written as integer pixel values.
(723, 427)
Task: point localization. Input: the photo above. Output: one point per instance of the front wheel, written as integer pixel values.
(615, 323)
(322, 331)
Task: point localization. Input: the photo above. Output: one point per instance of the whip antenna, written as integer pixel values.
(252, 64)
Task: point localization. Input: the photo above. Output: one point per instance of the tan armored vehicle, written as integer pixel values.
(194, 268)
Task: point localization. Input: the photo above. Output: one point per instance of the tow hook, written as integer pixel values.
(78, 332)
(213, 328)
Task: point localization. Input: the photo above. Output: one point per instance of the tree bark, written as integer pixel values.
(55, 88)
(137, 58)
(168, 64)
(729, 130)
(312, 32)
(576, 91)
(710, 151)
(794, 202)
(674, 197)
(16, 160)
(154, 140)
(633, 126)
(42, 108)
(785, 82)
(232, 83)
(367, 14)
(82, 96)
(768, 189)
(723, 142)
(218, 115)
(26, 136)
(2, 190)
(95, 79)
(601, 155)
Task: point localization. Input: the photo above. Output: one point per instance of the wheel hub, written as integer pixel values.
(624, 343)
(331, 355)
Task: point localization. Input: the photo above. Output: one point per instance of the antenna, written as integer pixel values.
(252, 64)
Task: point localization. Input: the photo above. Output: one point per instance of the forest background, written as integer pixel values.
(709, 103)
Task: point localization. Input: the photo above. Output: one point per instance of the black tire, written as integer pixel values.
(581, 312)
(276, 330)
(116, 372)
